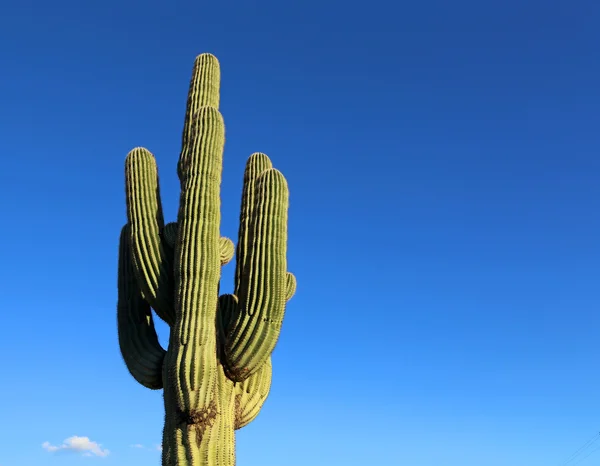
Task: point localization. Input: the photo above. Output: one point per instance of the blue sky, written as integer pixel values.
(443, 162)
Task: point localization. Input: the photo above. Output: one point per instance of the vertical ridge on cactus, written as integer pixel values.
(216, 373)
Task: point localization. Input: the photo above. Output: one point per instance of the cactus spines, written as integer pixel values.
(217, 371)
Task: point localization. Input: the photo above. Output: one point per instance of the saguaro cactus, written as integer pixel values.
(216, 372)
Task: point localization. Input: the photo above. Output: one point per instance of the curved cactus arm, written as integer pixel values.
(257, 163)
(144, 212)
(227, 250)
(138, 342)
(263, 284)
(290, 286)
(251, 394)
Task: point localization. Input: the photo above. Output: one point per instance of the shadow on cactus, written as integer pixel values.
(216, 372)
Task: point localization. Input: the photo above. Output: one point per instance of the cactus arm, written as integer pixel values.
(251, 394)
(291, 286)
(227, 250)
(144, 212)
(138, 342)
(257, 163)
(262, 288)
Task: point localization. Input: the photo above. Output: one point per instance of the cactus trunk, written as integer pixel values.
(216, 371)
(208, 436)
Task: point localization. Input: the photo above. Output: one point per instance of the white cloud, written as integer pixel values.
(137, 445)
(77, 444)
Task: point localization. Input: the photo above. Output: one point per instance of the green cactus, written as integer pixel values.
(216, 372)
